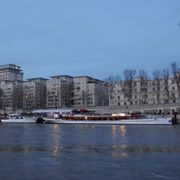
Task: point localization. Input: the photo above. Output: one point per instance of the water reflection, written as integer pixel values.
(122, 154)
(92, 148)
(56, 150)
(56, 126)
(56, 140)
(114, 128)
(96, 152)
(123, 130)
(26, 148)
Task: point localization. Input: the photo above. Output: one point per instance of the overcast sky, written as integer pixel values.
(89, 37)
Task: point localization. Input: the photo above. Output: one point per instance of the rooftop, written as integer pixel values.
(61, 76)
(38, 78)
(10, 66)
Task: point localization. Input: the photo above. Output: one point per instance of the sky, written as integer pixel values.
(95, 38)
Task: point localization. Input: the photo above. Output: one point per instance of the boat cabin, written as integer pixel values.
(15, 116)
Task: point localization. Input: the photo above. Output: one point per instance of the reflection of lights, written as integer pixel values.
(114, 127)
(122, 154)
(114, 146)
(55, 126)
(26, 148)
(123, 146)
(87, 126)
(56, 139)
(114, 131)
(123, 130)
(55, 150)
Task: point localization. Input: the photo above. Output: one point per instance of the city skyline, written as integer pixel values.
(68, 91)
(93, 38)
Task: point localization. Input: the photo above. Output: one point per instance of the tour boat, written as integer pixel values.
(108, 120)
(18, 118)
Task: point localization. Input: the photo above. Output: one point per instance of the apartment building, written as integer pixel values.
(11, 82)
(149, 92)
(59, 91)
(82, 91)
(89, 92)
(11, 72)
(11, 95)
(34, 93)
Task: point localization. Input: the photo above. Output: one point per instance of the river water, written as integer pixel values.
(47, 151)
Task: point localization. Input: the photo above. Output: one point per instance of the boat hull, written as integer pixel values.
(160, 121)
(18, 120)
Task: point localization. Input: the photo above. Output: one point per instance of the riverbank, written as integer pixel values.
(146, 109)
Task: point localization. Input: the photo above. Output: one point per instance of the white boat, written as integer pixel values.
(140, 121)
(18, 118)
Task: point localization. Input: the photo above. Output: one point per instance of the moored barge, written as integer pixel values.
(105, 120)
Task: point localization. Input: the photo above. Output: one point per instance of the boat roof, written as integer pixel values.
(14, 114)
(53, 111)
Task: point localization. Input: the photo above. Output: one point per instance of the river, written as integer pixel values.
(54, 151)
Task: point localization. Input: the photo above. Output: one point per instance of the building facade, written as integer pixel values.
(59, 91)
(88, 91)
(34, 94)
(68, 91)
(149, 92)
(11, 72)
(11, 83)
(11, 95)
(82, 91)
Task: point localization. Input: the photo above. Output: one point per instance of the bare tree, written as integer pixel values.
(143, 77)
(112, 81)
(156, 84)
(127, 85)
(165, 76)
(176, 76)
